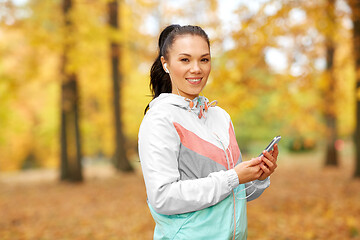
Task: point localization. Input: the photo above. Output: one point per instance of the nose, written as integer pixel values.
(195, 67)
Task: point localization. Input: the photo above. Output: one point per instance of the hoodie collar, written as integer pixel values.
(198, 105)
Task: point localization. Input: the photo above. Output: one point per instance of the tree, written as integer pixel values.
(120, 159)
(71, 168)
(355, 7)
(331, 157)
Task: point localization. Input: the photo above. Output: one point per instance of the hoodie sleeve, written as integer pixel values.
(159, 146)
(256, 188)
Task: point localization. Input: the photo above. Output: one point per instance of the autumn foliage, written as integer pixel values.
(268, 71)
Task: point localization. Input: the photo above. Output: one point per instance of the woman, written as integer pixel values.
(196, 182)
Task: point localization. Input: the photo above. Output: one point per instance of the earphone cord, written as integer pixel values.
(228, 162)
(252, 184)
(177, 89)
(168, 72)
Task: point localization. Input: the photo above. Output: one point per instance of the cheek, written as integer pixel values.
(208, 70)
(179, 73)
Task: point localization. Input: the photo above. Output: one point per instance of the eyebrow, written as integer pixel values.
(186, 54)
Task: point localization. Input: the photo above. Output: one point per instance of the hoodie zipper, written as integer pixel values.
(228, 162)
(203, 119)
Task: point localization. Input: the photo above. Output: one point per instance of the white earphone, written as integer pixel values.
(166, 70)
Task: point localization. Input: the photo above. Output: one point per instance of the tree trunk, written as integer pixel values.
(120, 159)
(71, 169)
(331, 157)
(355, 6)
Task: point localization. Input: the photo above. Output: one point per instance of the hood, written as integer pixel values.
(198, 105)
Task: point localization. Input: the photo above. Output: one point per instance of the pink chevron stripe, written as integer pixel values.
(233, 146)
(207, 149)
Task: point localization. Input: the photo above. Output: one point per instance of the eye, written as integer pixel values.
(205, 60)
(184, 59)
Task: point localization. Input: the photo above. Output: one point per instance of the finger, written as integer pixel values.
(260, 171)
(265, 169)
(275, 152)
(257, 167)
(269, 156)
(266, 173)
(271, 165)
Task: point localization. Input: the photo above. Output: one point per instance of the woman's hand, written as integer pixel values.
(249, 170)
(268, 164)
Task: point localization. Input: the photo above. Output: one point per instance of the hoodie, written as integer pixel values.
(188, 152)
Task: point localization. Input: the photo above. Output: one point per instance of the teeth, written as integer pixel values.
(194, 80)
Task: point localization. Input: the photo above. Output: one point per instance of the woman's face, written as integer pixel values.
(189, 65)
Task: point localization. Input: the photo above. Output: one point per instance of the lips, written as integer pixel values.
(194, 80)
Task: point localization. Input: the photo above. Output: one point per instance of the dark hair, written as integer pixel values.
(159, 80)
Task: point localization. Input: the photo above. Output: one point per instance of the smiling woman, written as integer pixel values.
(196, 183)
(189, 65)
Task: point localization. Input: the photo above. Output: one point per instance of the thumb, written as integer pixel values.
(254, 161)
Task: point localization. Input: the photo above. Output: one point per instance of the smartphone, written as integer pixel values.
(271, 144)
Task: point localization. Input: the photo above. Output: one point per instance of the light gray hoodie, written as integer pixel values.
(187, 162)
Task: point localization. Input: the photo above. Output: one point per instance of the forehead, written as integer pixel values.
(190, 44)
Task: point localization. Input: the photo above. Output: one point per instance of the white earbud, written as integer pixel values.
(166, 70)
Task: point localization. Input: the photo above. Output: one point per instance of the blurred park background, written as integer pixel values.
(74, 83)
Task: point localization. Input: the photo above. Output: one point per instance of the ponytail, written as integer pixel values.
(160, 81)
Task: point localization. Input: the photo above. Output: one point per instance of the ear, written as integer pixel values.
(163, 63)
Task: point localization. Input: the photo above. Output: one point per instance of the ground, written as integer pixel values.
(304, 201)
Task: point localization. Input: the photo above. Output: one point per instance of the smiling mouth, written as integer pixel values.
(194, 80)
